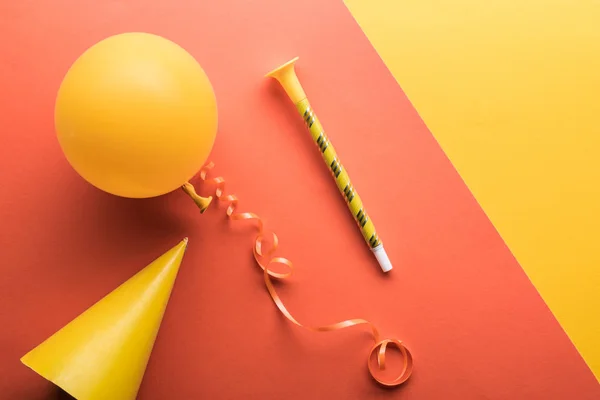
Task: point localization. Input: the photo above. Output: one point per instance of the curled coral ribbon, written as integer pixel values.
(260, 254)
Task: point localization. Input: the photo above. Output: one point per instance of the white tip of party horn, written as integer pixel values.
(382, 258)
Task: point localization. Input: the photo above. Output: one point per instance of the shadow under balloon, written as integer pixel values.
(98, 227)
(123, 218)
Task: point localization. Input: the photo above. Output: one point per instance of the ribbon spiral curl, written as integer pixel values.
(260, 255)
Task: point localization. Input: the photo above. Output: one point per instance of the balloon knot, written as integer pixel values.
(201, 202)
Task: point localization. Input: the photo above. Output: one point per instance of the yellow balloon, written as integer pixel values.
(136, 115)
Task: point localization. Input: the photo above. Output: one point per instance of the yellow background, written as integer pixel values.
(511, 91)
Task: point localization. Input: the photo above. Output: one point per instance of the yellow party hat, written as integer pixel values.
(103, 353)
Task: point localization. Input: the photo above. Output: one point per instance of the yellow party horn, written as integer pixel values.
(286, 76)
(102, 354)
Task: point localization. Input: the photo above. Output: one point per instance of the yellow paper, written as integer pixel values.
(510, 91)
(102, 354)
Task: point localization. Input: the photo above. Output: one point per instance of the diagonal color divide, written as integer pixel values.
(473, 321)
(510, 91)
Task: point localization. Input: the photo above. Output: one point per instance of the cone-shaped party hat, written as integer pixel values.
(103, 353)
